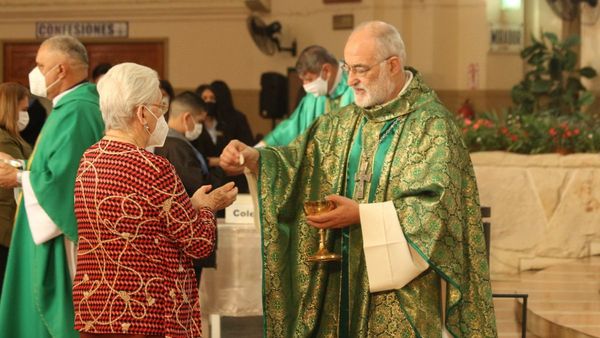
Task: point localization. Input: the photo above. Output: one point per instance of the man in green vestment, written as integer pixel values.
(407, 222)
(37, 298)
(326, 89)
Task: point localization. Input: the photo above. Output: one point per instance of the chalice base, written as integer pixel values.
(323, 255)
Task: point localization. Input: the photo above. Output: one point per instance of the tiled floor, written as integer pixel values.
(564, 301)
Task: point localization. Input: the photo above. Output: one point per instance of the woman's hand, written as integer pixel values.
(215, 200)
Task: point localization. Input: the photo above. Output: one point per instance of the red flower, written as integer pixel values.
(468, 122)
(504, 130)
(576, 131)
(513, 138)
(552, 132)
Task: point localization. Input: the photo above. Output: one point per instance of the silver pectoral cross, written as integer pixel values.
(361, 178)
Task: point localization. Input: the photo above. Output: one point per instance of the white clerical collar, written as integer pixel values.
(338, 79)
(61, 95)
(408, 80)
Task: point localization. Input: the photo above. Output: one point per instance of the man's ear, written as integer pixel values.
(396, 65)
(327, 69)
(62, 70)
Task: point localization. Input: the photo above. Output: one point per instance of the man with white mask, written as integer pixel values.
(326, 89)
(185, 125)
(37, 296)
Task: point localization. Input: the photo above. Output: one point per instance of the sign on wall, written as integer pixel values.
(82, 29)
(506, 38)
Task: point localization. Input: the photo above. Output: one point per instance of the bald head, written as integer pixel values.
(71, 48)
(63, 61)
(384, 37)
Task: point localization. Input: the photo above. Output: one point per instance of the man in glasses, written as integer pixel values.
(326, 87)
(407, 223)
(36, 298)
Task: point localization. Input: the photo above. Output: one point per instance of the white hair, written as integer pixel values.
(388, 38)
(122, 89)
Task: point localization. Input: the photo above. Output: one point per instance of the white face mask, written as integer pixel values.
(23, 120)
(159, 135)
(194, 133)
(37, 82)
(318, 87)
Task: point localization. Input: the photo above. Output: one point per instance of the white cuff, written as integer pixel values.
(42, 227)
(391, 261)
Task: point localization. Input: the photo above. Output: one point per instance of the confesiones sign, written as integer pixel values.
(83, 29)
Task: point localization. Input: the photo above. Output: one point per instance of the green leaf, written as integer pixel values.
(571, 41)
(570, 60)
(541, 86)
(586, 99)
(552, 37)
(588, 72)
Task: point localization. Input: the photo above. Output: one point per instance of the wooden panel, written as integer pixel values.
(19, 57)
(19, 60)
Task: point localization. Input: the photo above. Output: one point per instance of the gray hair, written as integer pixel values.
(387, 37)
(312, 58)
(123, 88)
(69, 46)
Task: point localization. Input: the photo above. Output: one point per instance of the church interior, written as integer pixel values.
(539, 198)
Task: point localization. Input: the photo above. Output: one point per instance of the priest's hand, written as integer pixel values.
(238, 155)
(345, 213)
(8, 176)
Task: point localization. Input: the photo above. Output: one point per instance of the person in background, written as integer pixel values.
(139, 230)
(232, 123)
(188, 112)
(185, 126)
(206, 93)
(37, 117)
(168, 94)
(99, 71)
(326, 85)
(212, 140)
(233, 120)
(14, 100)
(37, 293)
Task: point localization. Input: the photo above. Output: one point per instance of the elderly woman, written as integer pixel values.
(138, 229)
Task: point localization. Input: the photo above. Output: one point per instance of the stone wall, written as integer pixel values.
(545, 208)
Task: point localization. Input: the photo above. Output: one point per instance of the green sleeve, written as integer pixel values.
(69, 132)
(308, 110)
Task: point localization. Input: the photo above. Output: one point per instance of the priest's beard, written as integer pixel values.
(376, 93)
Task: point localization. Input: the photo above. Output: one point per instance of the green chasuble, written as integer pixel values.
(37, 297)
(309, 108)
(424, 168)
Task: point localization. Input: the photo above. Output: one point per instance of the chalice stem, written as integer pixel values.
(322, 240)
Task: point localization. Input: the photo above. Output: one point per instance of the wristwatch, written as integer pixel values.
(19, 177)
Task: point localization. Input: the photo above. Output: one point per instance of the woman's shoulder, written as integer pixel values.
(6, 139)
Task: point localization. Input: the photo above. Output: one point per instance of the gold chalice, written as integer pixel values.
(315, 208)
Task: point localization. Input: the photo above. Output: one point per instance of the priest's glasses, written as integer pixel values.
(315, 208)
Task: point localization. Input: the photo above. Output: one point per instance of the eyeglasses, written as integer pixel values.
(361, 70)
(163, 107)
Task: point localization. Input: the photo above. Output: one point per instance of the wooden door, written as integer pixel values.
(19, 57)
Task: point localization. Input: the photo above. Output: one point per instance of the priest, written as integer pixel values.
(407, 222)
(37, 298)
(326, 87)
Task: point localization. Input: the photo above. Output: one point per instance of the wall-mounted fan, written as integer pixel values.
(265, 38)
(569, 9)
